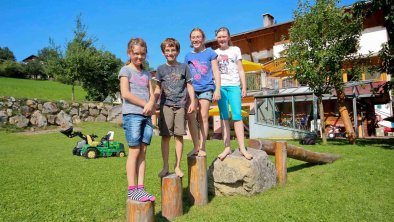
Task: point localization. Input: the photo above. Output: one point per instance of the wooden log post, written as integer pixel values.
(140, 211)
(171, 196)
(198, 180)
(281, 161)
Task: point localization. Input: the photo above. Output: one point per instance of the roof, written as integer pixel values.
(359, 89)
(31, 57)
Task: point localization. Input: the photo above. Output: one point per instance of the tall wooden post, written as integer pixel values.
(140, 211)
(281, 161)
(171, 196)
(198, 180)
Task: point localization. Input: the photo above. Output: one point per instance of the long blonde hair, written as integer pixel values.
(133, 42)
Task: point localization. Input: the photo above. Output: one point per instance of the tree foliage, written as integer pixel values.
(82, 63)
(6, 54)
(322, 37)
(50, 57)
(34, 69)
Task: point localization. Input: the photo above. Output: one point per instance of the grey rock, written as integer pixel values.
(37, 119)
(31, 103)
(237, 176)
(101, 118)
(3, 117)
(74, 111)
(104, 112)
(94, 112)
(9, 112)
(76, 119)
(50, 108)
(63, 119)
(89, 119)
(26, 111)
(19, 121)
(51, 119)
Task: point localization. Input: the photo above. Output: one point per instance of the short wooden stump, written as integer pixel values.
(198, 180)
(140, 211)
(171, 196)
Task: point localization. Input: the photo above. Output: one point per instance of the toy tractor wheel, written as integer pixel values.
(121, 154)
(75, 151)
(91, 153)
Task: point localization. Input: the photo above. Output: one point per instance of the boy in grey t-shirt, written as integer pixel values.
(174, 85)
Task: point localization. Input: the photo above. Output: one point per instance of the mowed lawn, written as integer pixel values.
(42, 181)
(40, 89)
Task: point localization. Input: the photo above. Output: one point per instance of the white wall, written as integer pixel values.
(371, 40)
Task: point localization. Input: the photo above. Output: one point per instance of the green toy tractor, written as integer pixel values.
(91, 149)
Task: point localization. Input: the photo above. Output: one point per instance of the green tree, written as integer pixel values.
(102, 81)
(79, 52)
(6, 54)
(321, 38)
(51, 57)
(9, 68)
(34, 69)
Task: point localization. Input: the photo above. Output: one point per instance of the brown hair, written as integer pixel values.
(228, 33)
(202, 33)
(136, 41)
(171, 42)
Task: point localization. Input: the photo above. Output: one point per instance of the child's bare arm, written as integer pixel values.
(126, 94)
(242, 77)
(150, 105)
(190, 90)
(216, 76)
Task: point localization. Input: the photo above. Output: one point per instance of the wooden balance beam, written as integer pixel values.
(294, 152)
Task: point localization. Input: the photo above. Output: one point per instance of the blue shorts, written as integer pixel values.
(232, 95)
(138, 129)
(208, 95)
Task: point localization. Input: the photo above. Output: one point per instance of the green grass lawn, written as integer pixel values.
(40, 89)
(42, 181)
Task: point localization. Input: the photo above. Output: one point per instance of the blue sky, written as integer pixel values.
(26, 26)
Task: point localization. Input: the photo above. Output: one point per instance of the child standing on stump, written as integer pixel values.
(232, 76)
(173, 80)
(137, 107)
(203, 66)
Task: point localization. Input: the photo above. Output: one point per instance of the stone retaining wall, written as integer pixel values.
(34, 113)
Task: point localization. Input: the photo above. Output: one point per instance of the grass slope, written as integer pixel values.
(42, 181)
(40, 89)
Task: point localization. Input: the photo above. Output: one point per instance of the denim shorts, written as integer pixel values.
(138, 129)
(208, 95)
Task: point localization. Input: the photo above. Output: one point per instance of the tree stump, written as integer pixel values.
(281, 161)
(171, 196)
(198, 180)
(140, 211)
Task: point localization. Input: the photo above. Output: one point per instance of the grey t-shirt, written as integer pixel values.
(138, 86)
(173, 81)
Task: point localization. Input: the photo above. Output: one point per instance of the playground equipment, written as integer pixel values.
(91, 149)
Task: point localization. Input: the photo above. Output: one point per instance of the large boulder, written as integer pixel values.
(237, 176)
